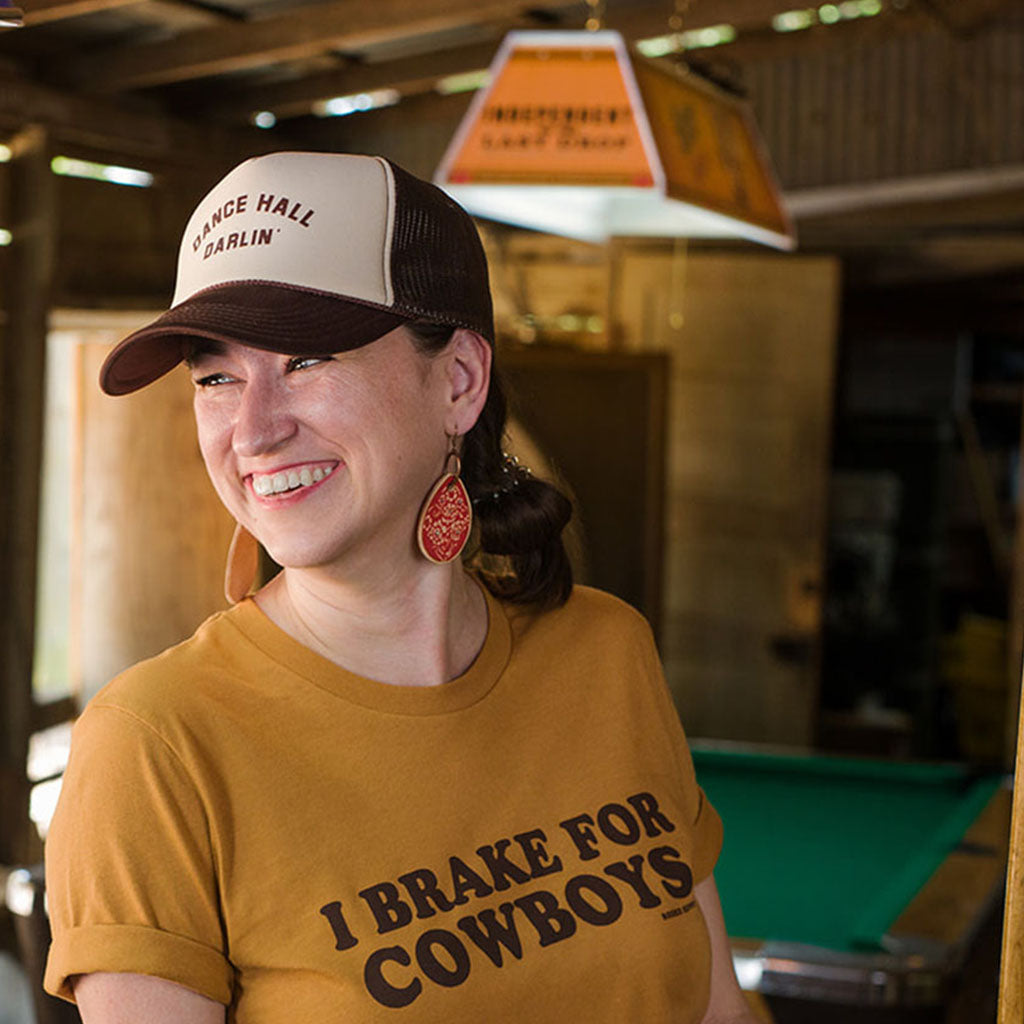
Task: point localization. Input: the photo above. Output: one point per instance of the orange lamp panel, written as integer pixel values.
(709, 149)
(555, 116)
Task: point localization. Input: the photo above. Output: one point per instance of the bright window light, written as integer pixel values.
(658, 46)
(793, 21)
(695, 39)
(859, 9)
(468, 81)
(43, 803)
(714, 35)
(5, 153)
(264, 119)
(72, 168)
(5, 237)
(340, 106)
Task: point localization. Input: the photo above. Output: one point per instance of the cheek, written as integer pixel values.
(214, 437)
(391, 414)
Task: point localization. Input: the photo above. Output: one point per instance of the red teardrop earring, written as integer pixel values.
(447, 514)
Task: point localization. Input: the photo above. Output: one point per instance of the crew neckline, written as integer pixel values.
(467, 689)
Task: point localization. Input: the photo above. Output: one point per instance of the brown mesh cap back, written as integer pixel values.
(438, 266)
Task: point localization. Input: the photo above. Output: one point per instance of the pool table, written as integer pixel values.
(850, 881)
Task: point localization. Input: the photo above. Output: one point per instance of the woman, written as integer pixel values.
(383, 786)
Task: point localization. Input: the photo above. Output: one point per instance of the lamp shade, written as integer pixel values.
(579, 136)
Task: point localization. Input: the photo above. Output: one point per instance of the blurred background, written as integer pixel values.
(803, 467)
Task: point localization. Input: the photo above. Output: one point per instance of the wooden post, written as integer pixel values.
(1015, 633)
(1011, 975)
(26, 289)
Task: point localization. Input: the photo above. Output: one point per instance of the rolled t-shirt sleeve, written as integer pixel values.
(130, 874)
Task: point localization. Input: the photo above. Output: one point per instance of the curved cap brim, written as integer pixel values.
(262, 314)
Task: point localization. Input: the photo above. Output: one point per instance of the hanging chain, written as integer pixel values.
(677, 285)
(595, 15)
(675, 21)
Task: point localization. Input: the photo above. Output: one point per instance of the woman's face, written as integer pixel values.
(323, 457)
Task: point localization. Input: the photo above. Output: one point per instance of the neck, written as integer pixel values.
(421, 627)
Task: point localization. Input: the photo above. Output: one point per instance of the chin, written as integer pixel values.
(313, 554)
(290, 556)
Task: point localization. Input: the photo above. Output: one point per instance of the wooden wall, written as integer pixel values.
(751, 339)
(151, 535)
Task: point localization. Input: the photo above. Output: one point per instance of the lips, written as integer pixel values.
(292, 479)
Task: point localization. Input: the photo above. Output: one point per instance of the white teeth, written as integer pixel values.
(288, 480)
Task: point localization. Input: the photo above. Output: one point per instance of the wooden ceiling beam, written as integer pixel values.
(132, 130)
(636, 20)
(964, 17)
(43, 12)
(942, 258)
(40, 12)
(304, 32)
(341, 25)
(408, 76)
(413, 75)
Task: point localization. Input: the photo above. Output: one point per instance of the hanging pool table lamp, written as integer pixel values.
(577, 135)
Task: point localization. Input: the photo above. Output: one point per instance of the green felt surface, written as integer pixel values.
(828, 851)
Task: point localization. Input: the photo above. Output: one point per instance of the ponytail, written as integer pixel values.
(521, 555)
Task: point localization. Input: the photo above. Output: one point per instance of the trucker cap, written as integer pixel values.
(312, 252)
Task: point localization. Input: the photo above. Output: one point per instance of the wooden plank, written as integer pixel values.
(142, 578)
(300, 33)
(545, 288)
(1011, 975)
(962, 17)
(119, 246)
(752, 339)
(129, 128)
(409, 75)
(41, 12)
(1015, 645)
(339, 25)
(414, 133)
(22, 369)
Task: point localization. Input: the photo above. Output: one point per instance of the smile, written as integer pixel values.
(288, 480)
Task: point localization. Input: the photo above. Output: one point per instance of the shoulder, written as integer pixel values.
(590, 616)
(171, 682)
(589, 605)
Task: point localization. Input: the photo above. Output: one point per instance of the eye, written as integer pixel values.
(212, 380)
(303, 362)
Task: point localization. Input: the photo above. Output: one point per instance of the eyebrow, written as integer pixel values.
(199, 347)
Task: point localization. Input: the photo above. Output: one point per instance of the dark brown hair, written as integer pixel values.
(521, 557)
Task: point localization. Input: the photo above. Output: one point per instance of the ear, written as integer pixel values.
(468, 357)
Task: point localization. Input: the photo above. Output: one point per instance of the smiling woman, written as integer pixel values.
(370, 422)
(392, 779)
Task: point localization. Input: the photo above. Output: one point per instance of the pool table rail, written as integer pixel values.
(924, 949)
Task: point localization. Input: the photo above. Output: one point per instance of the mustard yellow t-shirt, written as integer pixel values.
(245, 818)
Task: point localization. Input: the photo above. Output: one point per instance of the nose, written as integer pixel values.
(263, 419)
